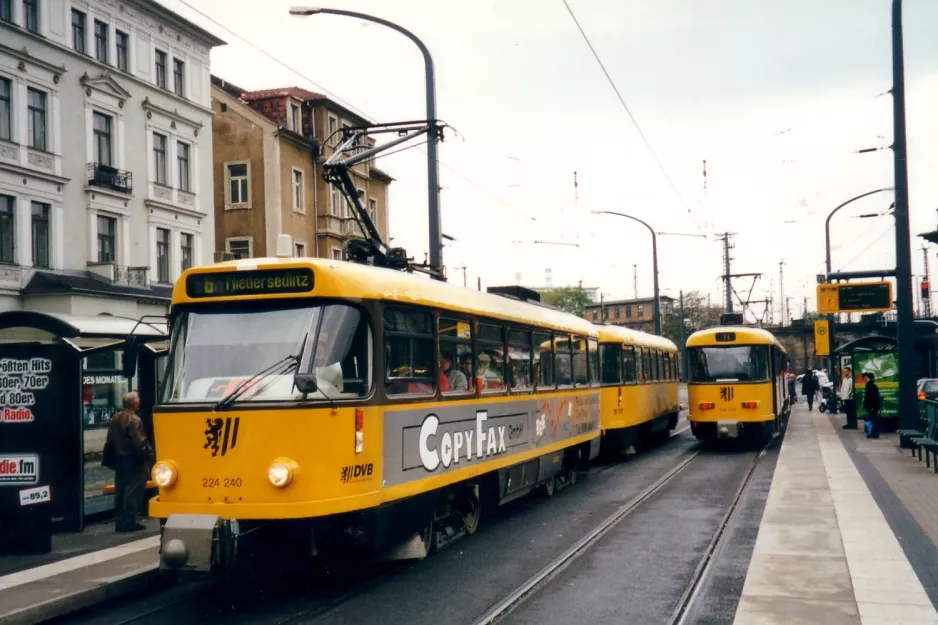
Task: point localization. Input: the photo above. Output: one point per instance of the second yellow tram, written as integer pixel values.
(736, 385)
(639, 396)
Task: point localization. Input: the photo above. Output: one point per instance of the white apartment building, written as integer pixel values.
(105, 155)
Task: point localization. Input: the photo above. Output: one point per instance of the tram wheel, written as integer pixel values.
(550, 486)
(572, 477)
(428, 535)
(471, 517)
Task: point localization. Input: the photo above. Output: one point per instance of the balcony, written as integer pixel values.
(106, 177)
(120, 274)
(341, 227)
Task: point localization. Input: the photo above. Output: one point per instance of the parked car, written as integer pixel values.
(928, 389)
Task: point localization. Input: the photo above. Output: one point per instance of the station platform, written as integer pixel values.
(82, 569)
(848, 533)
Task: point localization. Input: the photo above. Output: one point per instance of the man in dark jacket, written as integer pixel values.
(130, 455)
(809, 386)
(872, 403)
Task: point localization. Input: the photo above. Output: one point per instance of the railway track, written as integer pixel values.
(546, 575)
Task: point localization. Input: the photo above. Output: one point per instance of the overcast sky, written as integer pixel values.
(773, 95)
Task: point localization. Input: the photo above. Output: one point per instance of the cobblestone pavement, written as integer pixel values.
(96, 477)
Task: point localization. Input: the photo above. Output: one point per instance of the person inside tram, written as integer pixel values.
(329, 376)
(456, 379)
(563, 371)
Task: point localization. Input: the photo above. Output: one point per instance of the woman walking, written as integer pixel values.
(809, 386)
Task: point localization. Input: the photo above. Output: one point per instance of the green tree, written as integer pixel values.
(697, 316)
(571, 299)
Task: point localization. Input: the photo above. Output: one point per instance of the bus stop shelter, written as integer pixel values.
(61, 379)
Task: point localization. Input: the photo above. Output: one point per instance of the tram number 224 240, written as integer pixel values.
(214, 482)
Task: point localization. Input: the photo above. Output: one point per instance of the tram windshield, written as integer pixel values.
(215, 349)
(737, 363)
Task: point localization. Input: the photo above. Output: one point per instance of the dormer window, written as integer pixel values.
(295, 118)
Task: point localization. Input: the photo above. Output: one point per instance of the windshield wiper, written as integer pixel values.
(280, 367)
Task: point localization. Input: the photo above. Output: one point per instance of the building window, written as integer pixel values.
(102, 139)
(238, 184)
(185, 249)
(373, 211)
(182, 159)
(100, 41)
(333, 126)
(40, 231)
(641, 311)
(162, 255)
(295, 118)
(336, 253)
(122, 41)
(297, 190)
(300, 250)
(333, 201)
(107, 233)
(6, 10)
(6, 109)
(160, 69)
(31, 11)
(179, 69)
(6, 229)
(239, 247)
(37, 119)
(617, 312)
(78, 31)
(159, 158)
(628, 312)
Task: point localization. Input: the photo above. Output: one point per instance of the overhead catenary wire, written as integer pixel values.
(631, 116)
(865, 249)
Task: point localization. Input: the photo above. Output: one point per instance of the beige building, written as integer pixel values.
(269, 147)
(638, 314)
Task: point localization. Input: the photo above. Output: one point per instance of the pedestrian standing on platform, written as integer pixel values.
(846, 394)
(872, 403)
(809, 386)
(791, 388)
(128, 452)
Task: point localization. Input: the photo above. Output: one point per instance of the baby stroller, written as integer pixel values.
(829, 400)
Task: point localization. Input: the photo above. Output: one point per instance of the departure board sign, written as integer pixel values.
(259, 282)
(858, 297)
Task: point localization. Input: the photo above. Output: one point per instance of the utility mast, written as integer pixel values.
(463, 269)
(727, 277)
(926, 286)
(781, 288)
(635, 280)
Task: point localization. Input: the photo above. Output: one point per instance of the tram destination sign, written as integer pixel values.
(259, 282)
(857, 297)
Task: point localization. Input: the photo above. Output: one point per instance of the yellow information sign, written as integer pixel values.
(822, 338)
(854, 297)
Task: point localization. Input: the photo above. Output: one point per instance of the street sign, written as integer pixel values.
(822, 338)
(857, 297)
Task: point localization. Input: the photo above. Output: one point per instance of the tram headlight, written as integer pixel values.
(164, 473)
(280, 472)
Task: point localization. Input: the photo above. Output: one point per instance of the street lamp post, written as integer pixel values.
(433, 165)
(654, 261)
(908, 412)
(827, 263)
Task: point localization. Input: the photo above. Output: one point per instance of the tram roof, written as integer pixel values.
(628, 336)
(744, 336)
(340, 279)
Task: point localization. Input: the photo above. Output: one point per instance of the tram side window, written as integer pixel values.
(659, 361)
(611, 354)
(628, 364)
(594, 361)
(408, 352)
(563, 359)
(669, 366)
(491, 364)
(456, 362)
(519, 358)
(543, 361)
(580, 368)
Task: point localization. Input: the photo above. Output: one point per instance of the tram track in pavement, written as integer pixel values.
(541, 581)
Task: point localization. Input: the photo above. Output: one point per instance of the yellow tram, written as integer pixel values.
(736, 385)
(333, 406)
(639, 396)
